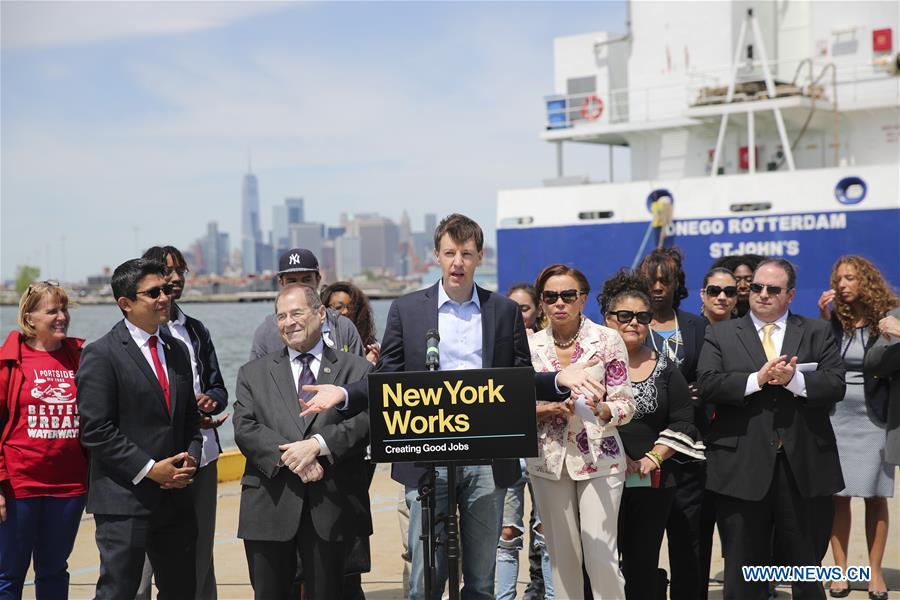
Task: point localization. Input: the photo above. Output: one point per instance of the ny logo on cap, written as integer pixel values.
(294, 259)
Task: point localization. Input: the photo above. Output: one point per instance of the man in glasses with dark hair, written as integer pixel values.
(140, 424)
(212, 398)
(771, 453)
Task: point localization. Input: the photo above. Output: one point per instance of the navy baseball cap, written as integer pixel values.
(297, 260)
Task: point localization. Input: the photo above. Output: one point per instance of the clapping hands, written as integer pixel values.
(778, 371)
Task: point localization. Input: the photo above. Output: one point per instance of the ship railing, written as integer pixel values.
(695, 88)
(624, 105)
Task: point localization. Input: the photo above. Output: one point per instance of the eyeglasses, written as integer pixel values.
(772, 290)
(154, 292)
(34, 287)
(714, 290)
(568, 296)
(296, 315)
(625, 316)
(180, 270)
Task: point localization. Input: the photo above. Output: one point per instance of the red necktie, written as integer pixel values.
(160, 373)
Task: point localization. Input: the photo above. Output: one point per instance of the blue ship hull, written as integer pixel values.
(600, 249)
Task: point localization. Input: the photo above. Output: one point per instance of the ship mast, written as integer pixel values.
(750, 20)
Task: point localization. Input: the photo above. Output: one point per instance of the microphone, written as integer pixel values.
(432, 354)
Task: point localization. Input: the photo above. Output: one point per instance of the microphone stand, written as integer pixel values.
(430, 541)
(428, 537)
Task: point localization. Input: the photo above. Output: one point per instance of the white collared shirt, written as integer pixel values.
(797, 384)
(178, 329)
(142, 339)
(460, 329)
(314, 365)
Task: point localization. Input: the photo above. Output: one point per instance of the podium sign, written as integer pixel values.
(442, 416)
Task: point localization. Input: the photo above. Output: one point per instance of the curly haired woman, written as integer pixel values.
(860, 297)
(351, 302)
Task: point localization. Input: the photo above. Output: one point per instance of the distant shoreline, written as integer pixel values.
(239, 297)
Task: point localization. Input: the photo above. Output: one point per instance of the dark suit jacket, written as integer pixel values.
(125, 423)
(883, 362)
(267, 414)
(693, 330)
(504, 344)
(743, 439)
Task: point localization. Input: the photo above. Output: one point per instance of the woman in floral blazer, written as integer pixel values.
(579, 474)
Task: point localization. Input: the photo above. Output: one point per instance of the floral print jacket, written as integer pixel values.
(587, 450)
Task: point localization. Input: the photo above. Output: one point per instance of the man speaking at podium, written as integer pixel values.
(478, 329)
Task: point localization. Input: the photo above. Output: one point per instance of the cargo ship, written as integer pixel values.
(766, 127)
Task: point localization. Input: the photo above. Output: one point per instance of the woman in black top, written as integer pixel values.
(662, 427)
(679, 335)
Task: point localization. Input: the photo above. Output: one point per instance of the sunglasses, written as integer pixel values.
(772, 290)
(154, 292)
(568, 296)
(625, 316)
(714, 290)
(34, 287)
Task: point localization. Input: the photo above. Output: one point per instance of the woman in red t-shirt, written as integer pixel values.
(43, 468)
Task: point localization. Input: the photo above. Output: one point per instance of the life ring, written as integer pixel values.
(589, 113)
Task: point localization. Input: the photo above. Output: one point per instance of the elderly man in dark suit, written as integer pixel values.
(478, 329)
(306, 480)
(771, 453)
(139, 421)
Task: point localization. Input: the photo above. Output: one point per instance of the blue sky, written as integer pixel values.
(128, 124)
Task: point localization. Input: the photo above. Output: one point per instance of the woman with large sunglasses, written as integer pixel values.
(579, 474)
(512, 536)
(719, 295)
(661, 428)
(860, 297)
(43, 468)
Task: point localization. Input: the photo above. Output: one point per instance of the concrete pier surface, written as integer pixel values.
(384, 582)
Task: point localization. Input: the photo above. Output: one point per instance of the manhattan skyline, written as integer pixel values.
(129, 124)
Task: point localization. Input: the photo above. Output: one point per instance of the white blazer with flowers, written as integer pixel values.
(588, 450)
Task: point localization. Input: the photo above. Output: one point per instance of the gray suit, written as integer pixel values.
(883, 360)
(277, 509)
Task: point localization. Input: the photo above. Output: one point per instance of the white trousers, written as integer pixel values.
(581, 519)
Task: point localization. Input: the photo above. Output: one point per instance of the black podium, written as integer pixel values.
(447, 419)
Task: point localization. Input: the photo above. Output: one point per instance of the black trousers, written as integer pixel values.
(707, 531)
(273, 565)
(167, 537)
(801, 528)
(683, 531)
(642, 521)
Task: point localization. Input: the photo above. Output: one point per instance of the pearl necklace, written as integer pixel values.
(572, 339)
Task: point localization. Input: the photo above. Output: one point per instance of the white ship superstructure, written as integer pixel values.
(826, 70)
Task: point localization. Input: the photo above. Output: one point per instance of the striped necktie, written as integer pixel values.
(306, 378)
